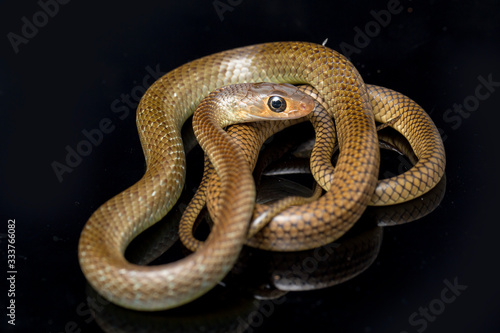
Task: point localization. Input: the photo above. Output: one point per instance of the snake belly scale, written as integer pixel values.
(161, 113)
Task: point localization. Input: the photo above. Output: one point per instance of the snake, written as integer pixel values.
(288, 271)
(390, 108)
(161, 113)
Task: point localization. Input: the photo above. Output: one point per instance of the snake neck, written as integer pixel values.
(234, 172)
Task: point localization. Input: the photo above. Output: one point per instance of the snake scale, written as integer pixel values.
(389, 108)
(160, 116)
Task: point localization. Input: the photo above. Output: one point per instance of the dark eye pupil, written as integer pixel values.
(277, 104)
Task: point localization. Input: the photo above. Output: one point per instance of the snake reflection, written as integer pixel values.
(268, 276)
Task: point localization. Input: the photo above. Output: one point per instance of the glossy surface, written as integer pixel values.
(160, 115)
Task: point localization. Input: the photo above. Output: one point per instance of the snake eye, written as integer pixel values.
(277, 104)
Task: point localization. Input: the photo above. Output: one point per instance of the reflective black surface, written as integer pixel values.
(70, 80)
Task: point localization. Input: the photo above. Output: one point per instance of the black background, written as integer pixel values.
(65, 79)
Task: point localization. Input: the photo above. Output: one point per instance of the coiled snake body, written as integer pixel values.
(160, 116)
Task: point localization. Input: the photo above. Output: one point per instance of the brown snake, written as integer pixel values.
(160, 116)
(389, 108)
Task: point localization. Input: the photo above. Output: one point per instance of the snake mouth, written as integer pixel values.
(290, 114)
(261, 118)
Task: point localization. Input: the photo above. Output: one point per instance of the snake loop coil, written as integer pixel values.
(172, 99)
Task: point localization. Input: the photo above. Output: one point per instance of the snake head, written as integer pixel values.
(274, 101)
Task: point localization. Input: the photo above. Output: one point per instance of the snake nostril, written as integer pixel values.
(302, 106)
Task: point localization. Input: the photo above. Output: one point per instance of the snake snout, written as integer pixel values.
(303, 107)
